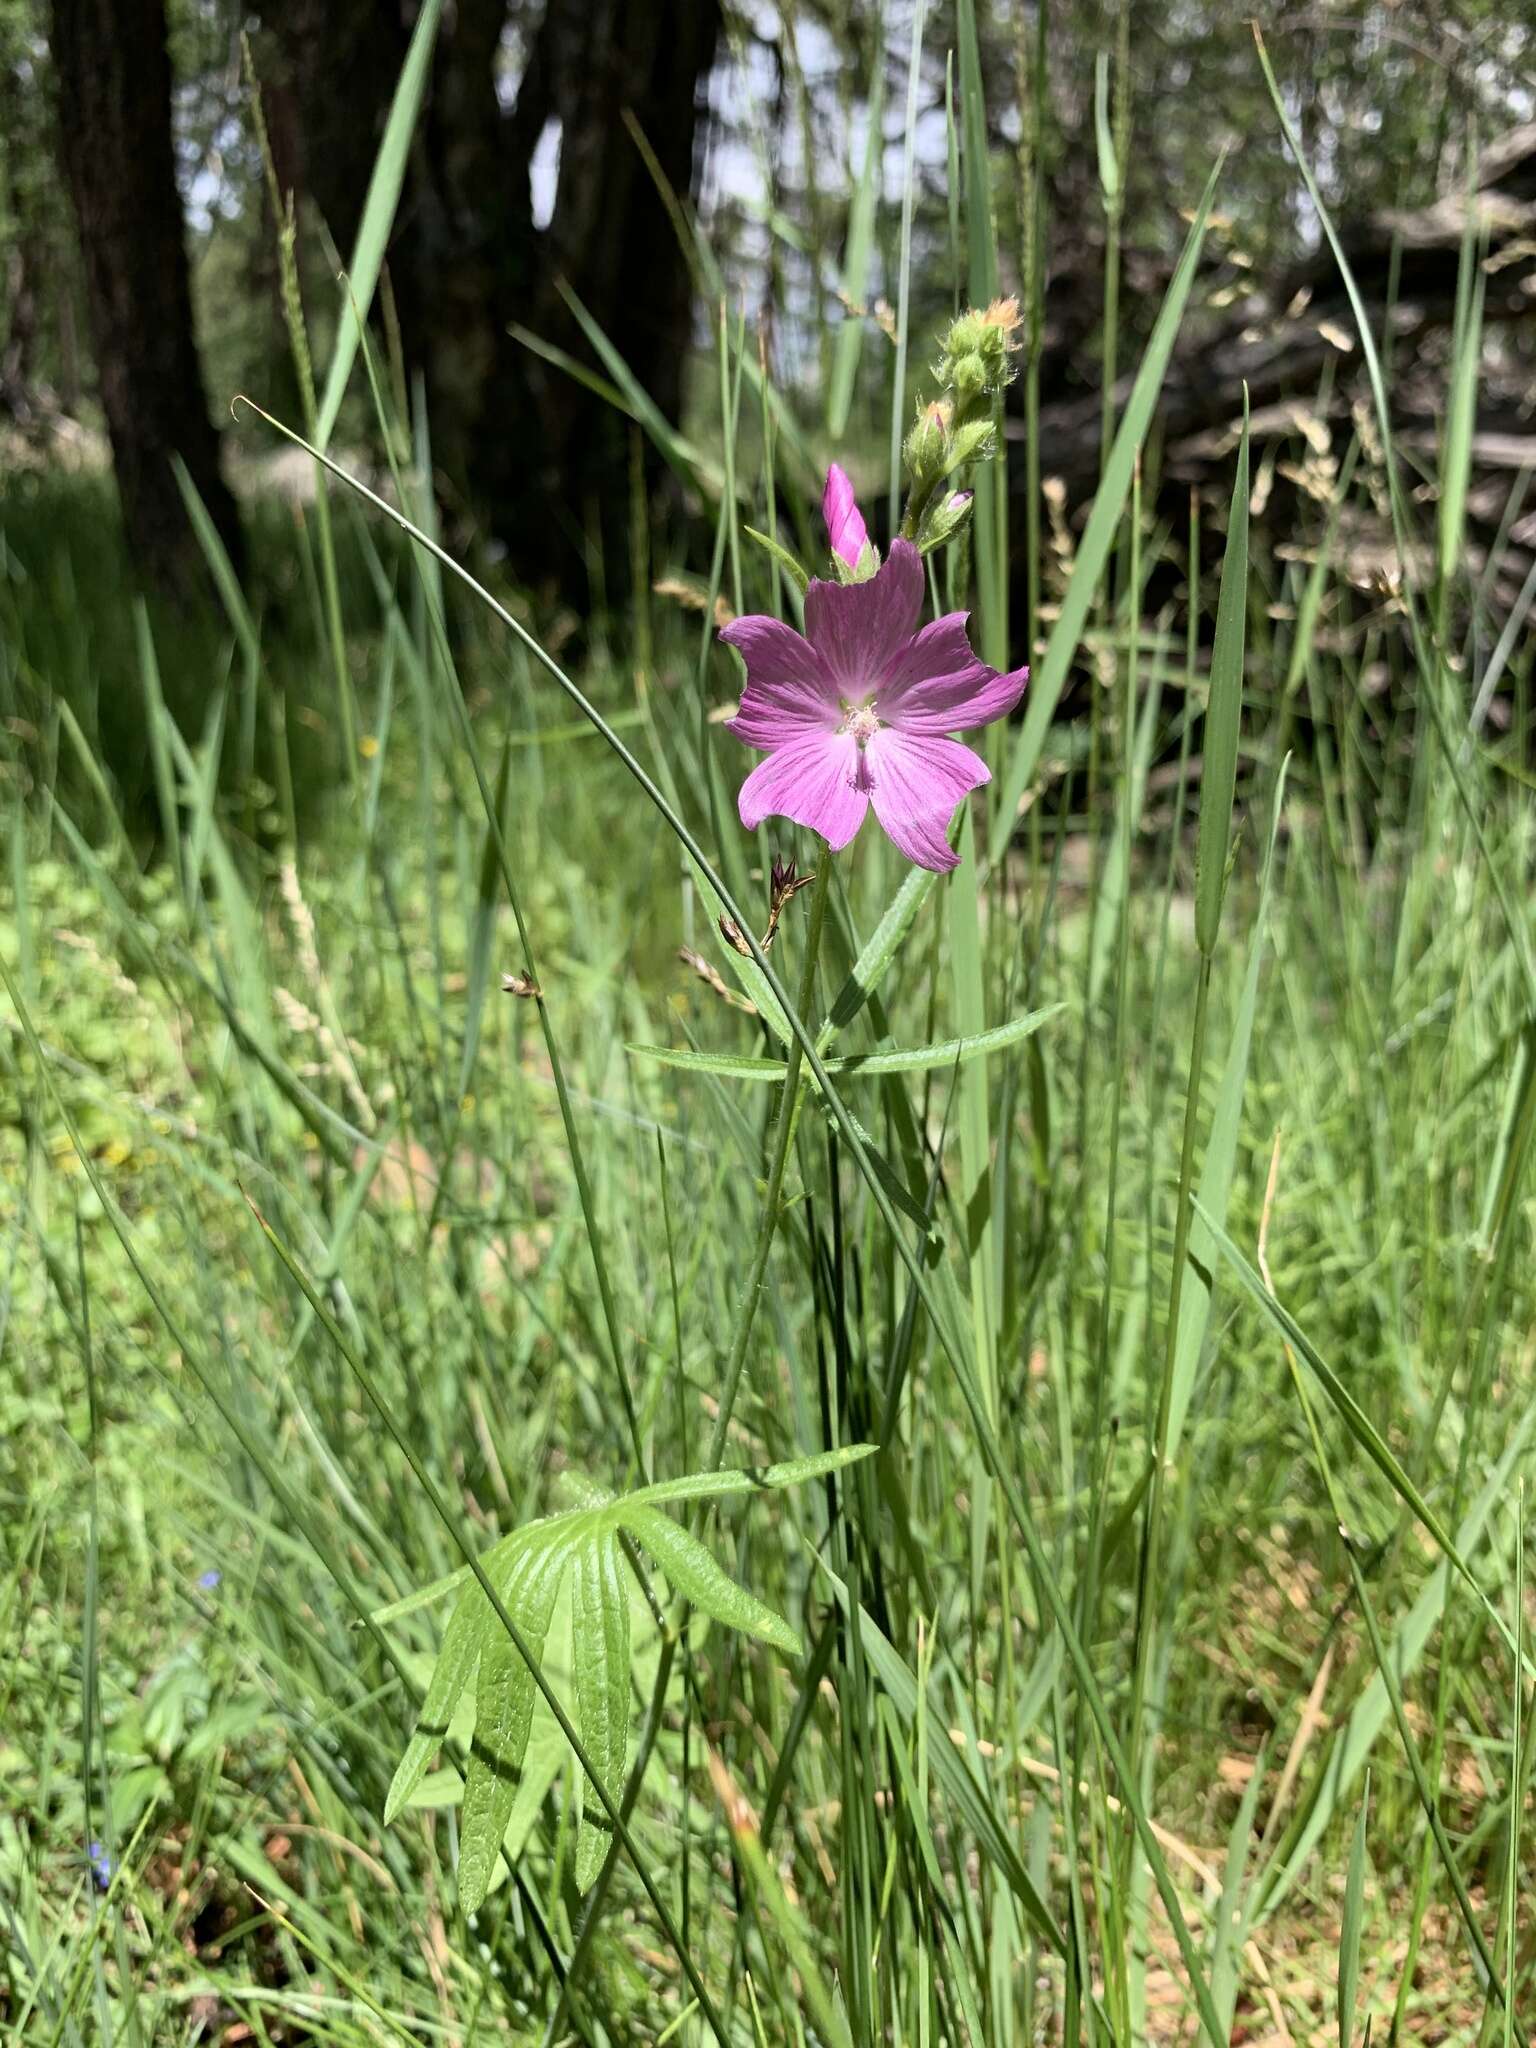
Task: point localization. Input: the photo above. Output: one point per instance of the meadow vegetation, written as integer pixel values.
(1091, 1293)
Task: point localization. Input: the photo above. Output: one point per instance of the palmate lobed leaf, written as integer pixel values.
(526, 1570)
(695, 1574)
(503, 1716)
(456, 1664)
(915, 1059)
(600, 1668)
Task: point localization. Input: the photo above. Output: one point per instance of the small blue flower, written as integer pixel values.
(209, 1579)
(102, 1864)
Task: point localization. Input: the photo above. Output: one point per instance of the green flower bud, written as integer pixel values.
(965, 335)
(976, 361)
(946, 521)
(927, 445)
(974, 442)
(969, 378)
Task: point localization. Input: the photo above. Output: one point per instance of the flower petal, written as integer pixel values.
(859, 629)
(788, 688)
(846, 530)
(812, 781)
(937, 684)
(917, 782)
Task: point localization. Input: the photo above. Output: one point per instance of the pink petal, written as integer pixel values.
(859, 629)
(936, 684)
(917, 782)
(845, 523)
(788, 688)
(812, 781)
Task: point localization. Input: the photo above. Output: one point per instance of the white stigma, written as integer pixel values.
(861, 724)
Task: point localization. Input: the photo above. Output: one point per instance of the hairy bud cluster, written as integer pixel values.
(958, 429)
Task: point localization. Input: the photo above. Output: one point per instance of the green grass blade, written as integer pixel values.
(1223, 714)
(1351, 1926)
(1356, 1421)
(378, 219)
(1215, 1187)
(1098, 540)
(860, 244)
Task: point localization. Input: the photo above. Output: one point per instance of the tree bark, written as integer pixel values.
(560, 460)
(524, 451)
(114, 85)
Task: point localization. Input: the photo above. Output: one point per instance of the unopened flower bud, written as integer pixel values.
(947, 520)
(968, 377)
(966, 335)
(976, 361)
(845, 522)
(927, 443)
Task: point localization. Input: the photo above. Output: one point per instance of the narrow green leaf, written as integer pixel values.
(994, 1833)
(678, 452)
(911, 1204)
(503, 1715)
(1233, 1913)
(724, 1065)
(1223, 712)
(1349, 1931)
(220, 568)
(424, 1596)
(916, 1059)
(879, 951)
(1099, 537)
(1370, 1712)
(1216, 1170)
(950, 1052)
(562, 359)
(748, 1479)
(543, 1761)
(786, 561)
(794, 1931)
(1461, 400)
(1358, 1423)
(860, 246)
(1111, 892)
(378, 214)
(483, 929)
(455, 1666)
(156, 718)
(600, 1668)
(696, 1576)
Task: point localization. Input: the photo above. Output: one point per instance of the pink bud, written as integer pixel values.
(845, 522)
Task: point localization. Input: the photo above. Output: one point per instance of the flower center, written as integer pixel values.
(860, 722)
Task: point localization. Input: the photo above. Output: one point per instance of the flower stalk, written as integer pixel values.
(741, 1338)
(784, 1130)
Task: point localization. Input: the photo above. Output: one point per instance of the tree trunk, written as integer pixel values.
(18, 307)
(526, 450)
(114, 83)
(556, 467)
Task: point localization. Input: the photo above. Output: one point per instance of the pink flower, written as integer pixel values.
(857, 712)
(845, 522)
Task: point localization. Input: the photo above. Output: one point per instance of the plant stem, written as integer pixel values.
(746, 1317)
(784, 1132)
(1145, 1595)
